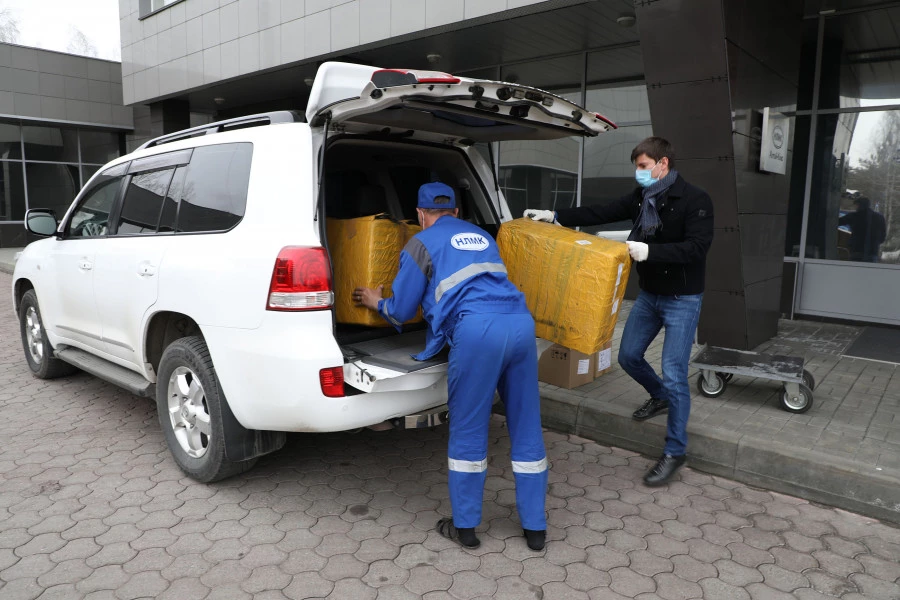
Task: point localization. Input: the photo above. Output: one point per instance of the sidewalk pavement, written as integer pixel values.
(844, 452)
(8, 259)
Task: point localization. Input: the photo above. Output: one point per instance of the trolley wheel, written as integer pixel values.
(711, 389)
(802, 403)
(726, 377)
(808, 380)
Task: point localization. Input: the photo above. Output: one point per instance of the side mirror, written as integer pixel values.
(41, 221)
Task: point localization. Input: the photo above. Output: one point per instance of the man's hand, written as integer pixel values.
(638, 251)
(548, 216)
(368, 297)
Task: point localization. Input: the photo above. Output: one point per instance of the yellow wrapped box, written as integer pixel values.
(365, 252)
(573, 282)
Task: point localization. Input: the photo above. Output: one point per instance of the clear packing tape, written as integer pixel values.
(573, 282)
(365, 252)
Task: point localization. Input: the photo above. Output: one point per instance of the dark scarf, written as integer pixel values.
(647, 223)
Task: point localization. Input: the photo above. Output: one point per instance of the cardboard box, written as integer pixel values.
(603, 360)
(573, 282)
(565, 368)
(365, 252)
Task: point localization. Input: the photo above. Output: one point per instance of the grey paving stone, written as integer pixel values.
(343, 516)
(671, 587)
(629, 583)
(876, 589)
(715, 589)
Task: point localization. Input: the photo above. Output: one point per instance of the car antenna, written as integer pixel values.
(490, 146)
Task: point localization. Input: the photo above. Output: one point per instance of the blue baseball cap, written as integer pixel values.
(430, 191)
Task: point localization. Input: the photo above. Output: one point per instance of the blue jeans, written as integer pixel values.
(679, 316)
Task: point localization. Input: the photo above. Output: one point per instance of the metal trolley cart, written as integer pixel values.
(719, 365)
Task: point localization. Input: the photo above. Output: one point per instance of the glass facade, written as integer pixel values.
(570, 172)
(46, 166)
(849, 209)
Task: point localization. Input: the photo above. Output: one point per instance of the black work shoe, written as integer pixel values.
(650, 408)
(663, 470)
(535, 538)
(465, 536)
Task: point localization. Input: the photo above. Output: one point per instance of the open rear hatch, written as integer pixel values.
(434, 107)
(441, 107)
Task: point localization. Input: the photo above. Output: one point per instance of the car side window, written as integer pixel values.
(214, 193)
(143, 202)
(170, 204)
(91, 217)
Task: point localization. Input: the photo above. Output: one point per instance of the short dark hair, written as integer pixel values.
(656, 148)
(438, 211)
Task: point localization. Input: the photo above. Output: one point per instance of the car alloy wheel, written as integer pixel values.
(188, 412)
(34, 336)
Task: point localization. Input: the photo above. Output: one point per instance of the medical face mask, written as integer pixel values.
(644, 177)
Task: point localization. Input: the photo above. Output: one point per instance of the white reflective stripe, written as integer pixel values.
(465, 273)
(536, 466)
(390, 318)
(467, 466)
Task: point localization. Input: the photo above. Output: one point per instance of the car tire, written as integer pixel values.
(189, 401)
(38, 351)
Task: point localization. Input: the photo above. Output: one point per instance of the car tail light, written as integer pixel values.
(301, 280)
(332, 382)
(385, 78)
(605, 120)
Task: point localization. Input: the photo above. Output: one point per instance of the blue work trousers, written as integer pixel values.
(679, 316)
(488, 352)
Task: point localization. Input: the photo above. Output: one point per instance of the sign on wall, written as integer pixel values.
(773, 152)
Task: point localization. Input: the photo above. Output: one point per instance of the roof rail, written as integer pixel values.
(270, 118)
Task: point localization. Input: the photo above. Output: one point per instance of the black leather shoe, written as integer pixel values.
(535, 538)
(663, 470)
(651, 408)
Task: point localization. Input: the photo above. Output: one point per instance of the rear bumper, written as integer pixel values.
(270, 376)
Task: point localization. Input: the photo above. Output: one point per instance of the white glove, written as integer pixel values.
(638, 251)
(548, 216)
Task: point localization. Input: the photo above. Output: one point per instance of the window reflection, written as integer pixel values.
(52, 186)
(10, 141)
(543, 174)
(143, 202)
(855, 203)
(12, 191)
(50, 144)
(861, 59)
(617, 91)
(99, 146)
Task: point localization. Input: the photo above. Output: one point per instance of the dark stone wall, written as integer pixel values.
(711, 67)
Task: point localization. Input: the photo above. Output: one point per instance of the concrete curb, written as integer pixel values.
(808, 474)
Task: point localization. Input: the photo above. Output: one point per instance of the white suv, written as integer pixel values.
(197, 269)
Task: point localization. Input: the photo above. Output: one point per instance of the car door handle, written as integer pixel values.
(85, 265)
(146, 269)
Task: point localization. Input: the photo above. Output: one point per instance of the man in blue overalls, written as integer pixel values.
(453, 270)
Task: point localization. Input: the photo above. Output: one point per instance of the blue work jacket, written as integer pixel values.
(450, 268)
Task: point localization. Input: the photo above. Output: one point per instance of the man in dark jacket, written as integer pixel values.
(673, 229)
(867, 231)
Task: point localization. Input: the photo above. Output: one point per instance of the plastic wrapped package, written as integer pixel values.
(365, 252)
(573, 282)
